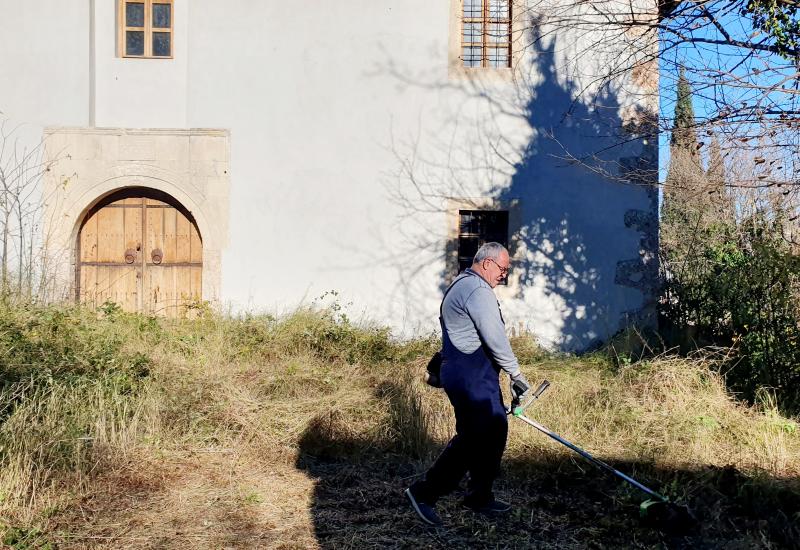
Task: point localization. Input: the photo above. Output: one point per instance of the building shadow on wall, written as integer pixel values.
(560, 501)
(580, 188)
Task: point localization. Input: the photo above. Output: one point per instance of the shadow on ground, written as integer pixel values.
(560, 501)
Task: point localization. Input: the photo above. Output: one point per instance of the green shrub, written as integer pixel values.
(68, 341)
(740, 289)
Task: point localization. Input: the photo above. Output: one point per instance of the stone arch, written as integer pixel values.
(91, 164)
(141, 249)
(91, 196)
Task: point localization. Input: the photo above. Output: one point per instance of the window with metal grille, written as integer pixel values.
(477, 227)
(145, 28)
(486, 33)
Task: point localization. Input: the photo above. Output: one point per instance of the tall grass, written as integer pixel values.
(72, 395)
(82, 391)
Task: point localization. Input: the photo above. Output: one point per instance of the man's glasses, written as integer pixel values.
(503, 270)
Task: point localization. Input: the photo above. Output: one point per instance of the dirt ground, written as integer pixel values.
(215, 498)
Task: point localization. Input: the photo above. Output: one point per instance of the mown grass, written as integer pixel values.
(83, 393)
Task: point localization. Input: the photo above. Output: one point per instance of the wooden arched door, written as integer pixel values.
(141, 250)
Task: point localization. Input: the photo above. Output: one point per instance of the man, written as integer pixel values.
(474, 350)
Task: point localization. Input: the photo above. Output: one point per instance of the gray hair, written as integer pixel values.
(489, 251)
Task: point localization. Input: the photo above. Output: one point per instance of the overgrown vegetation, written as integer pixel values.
(301, 431)
(731, 263)
(738, 288)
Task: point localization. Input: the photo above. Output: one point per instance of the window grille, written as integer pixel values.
(486, 33)
(477, 227)
(145, 28)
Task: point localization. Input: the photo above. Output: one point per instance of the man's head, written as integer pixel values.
(491, 262)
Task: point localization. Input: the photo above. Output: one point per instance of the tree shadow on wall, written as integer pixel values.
(559, 501)
(577, 179)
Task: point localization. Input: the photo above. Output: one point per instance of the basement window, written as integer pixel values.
(477, 227)
(486, 33)
(145, 28)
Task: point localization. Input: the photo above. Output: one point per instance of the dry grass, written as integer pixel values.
(672, 412)
(301, 432)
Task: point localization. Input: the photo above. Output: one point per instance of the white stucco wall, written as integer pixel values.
(140, 93)
(312, 114)
(326, 101)
(332, 108)
(44, 63)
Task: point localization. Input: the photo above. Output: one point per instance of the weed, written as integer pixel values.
(21, 538)
(84, 394)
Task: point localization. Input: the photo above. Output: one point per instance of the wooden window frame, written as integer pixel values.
(478, 211)
(485, 20)
(147, 29)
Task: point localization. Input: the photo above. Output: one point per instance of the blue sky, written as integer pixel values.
(701, 61)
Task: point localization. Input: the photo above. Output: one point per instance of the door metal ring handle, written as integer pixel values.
(157, 255)
(130, 256)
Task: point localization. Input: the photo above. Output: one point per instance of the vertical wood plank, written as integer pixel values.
(133, 229)
(195, 244)
(161, 289)
(182, 238)
(169, 235)
(183, 287)
(110, 235)
(110, 285)
(88, 285)
(153, 285)
(123, 287)
(174, 297)
(101, 285)
(155, 231)
(196, 283)
(89, 240)
(103, 228)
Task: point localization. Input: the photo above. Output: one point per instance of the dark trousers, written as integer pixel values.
(481, 432)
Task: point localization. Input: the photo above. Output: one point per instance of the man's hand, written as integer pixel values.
(519, 387)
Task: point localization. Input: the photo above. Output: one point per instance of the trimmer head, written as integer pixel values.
(667, 516)
(657, 512)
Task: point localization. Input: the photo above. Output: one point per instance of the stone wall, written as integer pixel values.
(89, 164)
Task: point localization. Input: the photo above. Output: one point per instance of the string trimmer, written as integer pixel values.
(657, 510)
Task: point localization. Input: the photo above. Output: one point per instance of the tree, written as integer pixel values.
(741, 58)
(23, 260)
(716, 164)
(686, 172)
(683, 132)
(779, 20)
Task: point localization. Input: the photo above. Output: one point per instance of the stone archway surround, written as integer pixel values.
(89, 164)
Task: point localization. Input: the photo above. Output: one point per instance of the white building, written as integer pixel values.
(261, 153)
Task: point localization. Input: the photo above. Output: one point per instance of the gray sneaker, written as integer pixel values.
(425, 511)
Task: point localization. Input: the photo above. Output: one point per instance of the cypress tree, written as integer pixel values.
(683, 134)
(685, 198)
(685, 171)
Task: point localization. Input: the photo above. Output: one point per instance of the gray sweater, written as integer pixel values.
(471, 315)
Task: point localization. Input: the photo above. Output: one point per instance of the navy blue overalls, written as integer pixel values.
(472, 385)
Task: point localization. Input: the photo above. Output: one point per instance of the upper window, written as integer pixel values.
(145, 28)
(486, 33)
(477, 227)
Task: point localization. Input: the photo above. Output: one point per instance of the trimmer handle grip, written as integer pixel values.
(518, 408)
